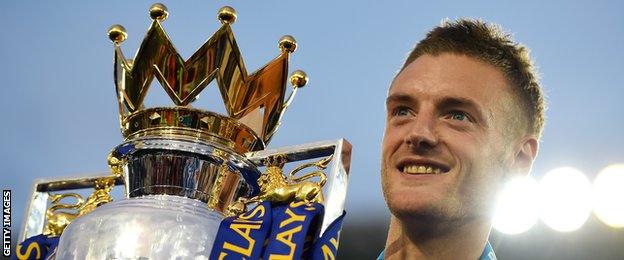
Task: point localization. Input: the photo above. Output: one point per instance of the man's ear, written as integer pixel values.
(525, 153)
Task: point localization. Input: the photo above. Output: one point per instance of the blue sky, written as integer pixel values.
(60, 113)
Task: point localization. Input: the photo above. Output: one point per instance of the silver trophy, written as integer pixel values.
(184, 169)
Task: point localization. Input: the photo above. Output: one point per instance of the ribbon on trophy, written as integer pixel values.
(243, 235)
(292, 233)
(36, 247)
(326, 246)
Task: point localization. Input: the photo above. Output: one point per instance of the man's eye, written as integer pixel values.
(401, 111)
(458, 115)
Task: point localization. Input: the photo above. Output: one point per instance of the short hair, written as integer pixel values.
(489, 43)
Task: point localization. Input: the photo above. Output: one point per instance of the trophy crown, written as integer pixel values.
(254, 102)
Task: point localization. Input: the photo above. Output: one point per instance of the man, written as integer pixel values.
(464, 114)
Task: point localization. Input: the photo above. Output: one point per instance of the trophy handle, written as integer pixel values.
(38, 215)
(333, 172)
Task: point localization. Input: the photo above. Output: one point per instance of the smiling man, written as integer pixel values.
(464, 115)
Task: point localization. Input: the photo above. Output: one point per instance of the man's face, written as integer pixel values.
(446, 145)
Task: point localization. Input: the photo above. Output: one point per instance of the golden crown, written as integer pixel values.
(254, 102)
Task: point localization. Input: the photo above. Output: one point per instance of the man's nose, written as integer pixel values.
(422, 135)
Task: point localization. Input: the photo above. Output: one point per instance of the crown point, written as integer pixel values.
(287, 44)
(117, 33)
(227, 14)
(158, 12)
(298, 78)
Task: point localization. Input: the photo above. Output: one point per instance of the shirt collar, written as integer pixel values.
(488, 253)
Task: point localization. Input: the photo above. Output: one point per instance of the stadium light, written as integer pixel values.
(566, 199)
(516, 209)
(609, 195)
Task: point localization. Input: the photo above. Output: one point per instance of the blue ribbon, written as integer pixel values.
(36, 247)
(293, 234)
(242, 236)
(293, 230)
(326, 247)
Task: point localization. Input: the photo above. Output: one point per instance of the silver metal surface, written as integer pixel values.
(149, 227)
(155, 166)
(34, 219)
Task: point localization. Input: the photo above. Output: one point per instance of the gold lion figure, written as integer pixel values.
(58, 216)
(100, 196)
(277, 188)
(57, 221)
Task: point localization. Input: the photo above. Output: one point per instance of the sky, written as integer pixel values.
(60, 116)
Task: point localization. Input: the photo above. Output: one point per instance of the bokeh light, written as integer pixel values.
(516, 210)
(566, 199)
(609, 195)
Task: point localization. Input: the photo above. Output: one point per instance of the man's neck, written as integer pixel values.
(412, 241)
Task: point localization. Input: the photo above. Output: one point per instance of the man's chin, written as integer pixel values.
(416, 208)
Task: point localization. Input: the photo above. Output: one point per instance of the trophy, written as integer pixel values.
(184, 170)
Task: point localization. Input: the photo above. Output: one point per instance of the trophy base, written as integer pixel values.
(148, 227)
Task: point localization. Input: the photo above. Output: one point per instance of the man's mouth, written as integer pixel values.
(422, 168)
